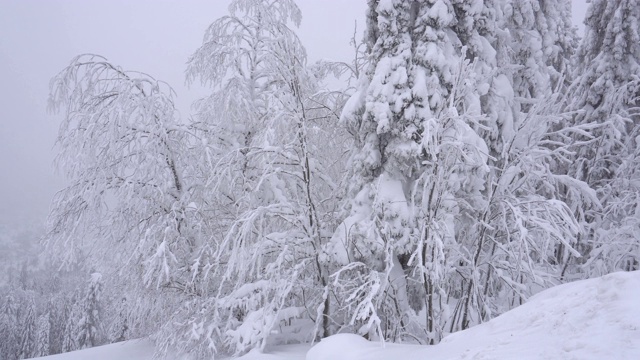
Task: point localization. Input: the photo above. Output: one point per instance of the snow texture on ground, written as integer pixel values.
(128, 350)
(586, 320)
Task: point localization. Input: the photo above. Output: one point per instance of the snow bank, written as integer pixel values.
(590, 319)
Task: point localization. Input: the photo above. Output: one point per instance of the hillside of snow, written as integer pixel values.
(586, 320)
(589, 319)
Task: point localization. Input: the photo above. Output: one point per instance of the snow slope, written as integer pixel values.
(589, 319)
(586, 320)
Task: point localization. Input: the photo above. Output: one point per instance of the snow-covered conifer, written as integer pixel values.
(542, 41)
(73, 310)
(90, 325)
(419, 163)
(605, 98)
(28, 331)
(58, 307)
(9, 329)
(455, 124)
(119, 329)
(43, 339)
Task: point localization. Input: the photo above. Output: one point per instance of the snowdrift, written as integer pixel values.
(585, 320)
(589, 319)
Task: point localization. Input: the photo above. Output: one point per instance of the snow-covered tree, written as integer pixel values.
(31, 305)
(73, 311)
(43, 339)
(119, 330)
(265, 135)
(58, 306)
(605, 97)
(452, 187)
(524, 72)
(420, 164)
(541, 40)
(120, 144)
(90, 325)
(124, 151)
(9, 329)
(28, 331)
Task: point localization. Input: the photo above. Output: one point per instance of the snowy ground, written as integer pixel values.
(586, 320)
(128, 350)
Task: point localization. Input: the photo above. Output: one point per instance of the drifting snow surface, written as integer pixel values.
(128, 350)
(586, 320)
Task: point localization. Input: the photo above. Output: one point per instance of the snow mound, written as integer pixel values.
(589, 319)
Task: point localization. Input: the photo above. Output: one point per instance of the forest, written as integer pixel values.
(470, 155)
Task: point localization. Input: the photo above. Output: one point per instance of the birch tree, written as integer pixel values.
(266, 134)
(120, 144)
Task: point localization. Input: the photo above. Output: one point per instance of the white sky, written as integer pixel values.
(38, 38)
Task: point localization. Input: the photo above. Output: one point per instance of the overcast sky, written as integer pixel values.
(39, 38)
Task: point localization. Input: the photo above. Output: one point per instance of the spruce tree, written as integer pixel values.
(9, 329)
(43, 339)
(120, 330)
(28, 332)
(90, 327)
(605, 98)
(73, 313)
(419, 164)
(522, 69)
(451, 163)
